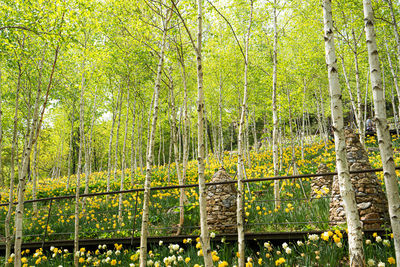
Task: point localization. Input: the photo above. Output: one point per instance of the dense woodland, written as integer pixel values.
(104, 86)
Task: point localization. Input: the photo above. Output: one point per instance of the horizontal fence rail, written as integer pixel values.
(159, 188)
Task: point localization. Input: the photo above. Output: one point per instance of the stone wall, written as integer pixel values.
(221, 204)
(371, 201)
(321, 185)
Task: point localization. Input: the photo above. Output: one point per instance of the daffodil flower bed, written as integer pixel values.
(327, 249)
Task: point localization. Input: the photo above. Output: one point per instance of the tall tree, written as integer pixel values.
(165, 18)
(346, 188)
(384, 139)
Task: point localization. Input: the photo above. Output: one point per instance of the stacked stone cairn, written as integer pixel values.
(221, 204)
(321, 185)
(371, 200)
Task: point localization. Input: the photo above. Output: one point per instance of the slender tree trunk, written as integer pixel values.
(79, 171)
(35, 178)
(221, 133)
(176, 156)
(140, 141)
(123, 163)
(346, 189)
(33, 135)
(255, 132)
(303, 121)
(240, 167)
(90, 145)
(14, 149)
(149, 158)
(133, 153)
(111, 139)
(360, 121)
(384, 139)
(352, 101)
(294, 163)
(117, 140)
(275, 110)
(395, 28)
(204, 237)
(395, 115)
(70, 150)
(394, 75)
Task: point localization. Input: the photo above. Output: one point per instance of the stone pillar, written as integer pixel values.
(371, 200)
(321, 185)
(221, 204)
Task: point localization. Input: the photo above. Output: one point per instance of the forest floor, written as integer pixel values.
(99, 219)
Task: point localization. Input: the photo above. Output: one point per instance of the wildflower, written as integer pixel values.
(113, 262)
(386, 242)
(260, 261)
(212, 235)
(279, 261)
(268, 255)
(215, 258)
(313, 237)
(375, 234)
(285, 245)
(339, 244)
(81, 260)
(249, 264)
(24, 260)
(368, 242)
(325, 236)
(299, 243)
(378, 239)
(160, 242)
(200, 252)
(391, 260)
(223, 264)
(371, 262)
(288, 250)
(381, 264)
(150, 263)
(187, 260)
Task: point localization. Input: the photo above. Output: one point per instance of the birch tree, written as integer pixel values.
(346, 189)
(165, 18)
(384, 139)
(240, 167)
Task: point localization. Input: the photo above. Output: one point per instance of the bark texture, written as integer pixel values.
(356, 251)
(384, 139)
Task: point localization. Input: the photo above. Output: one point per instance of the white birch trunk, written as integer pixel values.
(123, 163)
(394, 75)
(117, 140)
(33, 130)
(70, 151)
(176, 156)
(149, 157)
(384, 139)
(133, 151)
(78, 173)
(111, 139)
(7, 222)
(346, 190)
(275, 110)
(204, 237)
(240, 167)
